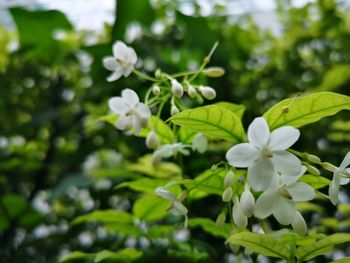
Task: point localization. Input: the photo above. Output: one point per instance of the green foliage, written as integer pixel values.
(150, 208)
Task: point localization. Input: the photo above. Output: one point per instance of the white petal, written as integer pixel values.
(130, 97)
(299, 224)
(115, 75)
(265, 204)
(179, 208)
(132, 57)
(286, 163)
(333, 190)
(284, 211)
(120, 50)
(282, 138)
(117, 105)
(143, 111)
(301, 192)
(289, 179)
(137, 124)
(344, 181)
(165, 193)
(258, 132)
(124, 123)
(127, 70)
(242, 155)
(260, 174)
(345, 163)
(110, 63)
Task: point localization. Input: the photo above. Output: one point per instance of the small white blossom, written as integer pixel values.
(122, 62)
(176, 88)
(200, 143)
(339, 179)
(265, 153)
(176, 207)
(168, 150)
(174, 110)
(191, 91)
(279, 199)
(132, 113)
(207, 92)
(247, 202)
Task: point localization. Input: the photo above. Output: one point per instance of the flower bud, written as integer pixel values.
(329, 167)
(220, 220)
(152, 140)
(200, 143)
(176, 88)
(179, 208)
(313, 158)
(165, 193)
(155, 90)
(312, 170)
(191, 91)
(214, 72)
(174, 110)
(239, 218)
(227, 195)
(247, 203)
(207, 92)
(228, 180)
(158, 73)
(299, 224)
(144, 122)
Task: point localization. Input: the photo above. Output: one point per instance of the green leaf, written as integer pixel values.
(315, 181)
(342, 260)
(306, 109)
(213, 121)
(124, 255)
(160, 231)
(235, 108)
(209, 226)
(150, 208)
(105, 216)
(321, 247)
(335, 77)
(36, 30)
(128, 229)
(261, 244)
(143, 185)
(15, 205)
(77, 255)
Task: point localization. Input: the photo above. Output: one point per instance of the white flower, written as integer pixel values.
(176, 207)
(265, 153)
(168, 150)
(200, 143)
(122, 62)
(279, 199)
(207, 92)
(132, 113)
(338, 179)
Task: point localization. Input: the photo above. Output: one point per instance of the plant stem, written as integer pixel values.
(143, 75)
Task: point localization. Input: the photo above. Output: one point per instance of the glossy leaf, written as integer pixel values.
(235, 108)
(213, 121)
(105, 216)
(315, 181)
(150, 208)
(306, 109)
(261, 244)
(209, 226)
(124, 255)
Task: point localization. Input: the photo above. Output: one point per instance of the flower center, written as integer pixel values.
(123, 63)
(282, 191)
(130, 112)
(266, 153)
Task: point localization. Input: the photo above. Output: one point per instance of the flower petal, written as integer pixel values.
(260, 174)
(301, 192)
(179, 209)
(284, 211)
(242, 155)
(282, 138)
(143, 111)
(110, 63)
(124, 123)
(333, 190)
(130, 97)
(132, 57)
(117, 105)
(258, 132)
(265, 204)
(165, 193)
(120, 50)
(345, 163)
(289, 179)
(115, 75)
(286, 163)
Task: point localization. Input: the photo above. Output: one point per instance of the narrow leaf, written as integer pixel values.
(213, 121)
(260, 243)
(306, 109)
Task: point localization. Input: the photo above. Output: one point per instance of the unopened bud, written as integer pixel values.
(228, 180)
(200, 143)
(227, 195)
(313, 158)
(329, 167)
(158, 74)
(220, 220)
(174, 110)
(179, 208)
(155, 90)
(299, 224)
(176, 88)
(214, 72)
(191, 91)
(239, 218)
(152, 140)
(165, 193)
(285, 109)
(313, 170)
(207, 92)
(247, 203)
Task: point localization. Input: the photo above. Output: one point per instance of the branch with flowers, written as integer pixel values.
(260, 176)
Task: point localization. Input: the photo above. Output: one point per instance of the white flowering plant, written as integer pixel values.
(266, 188)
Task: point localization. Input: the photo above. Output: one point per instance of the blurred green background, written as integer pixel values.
(59, 162)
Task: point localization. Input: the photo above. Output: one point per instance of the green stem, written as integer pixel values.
(291, 258)
(143, 75)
